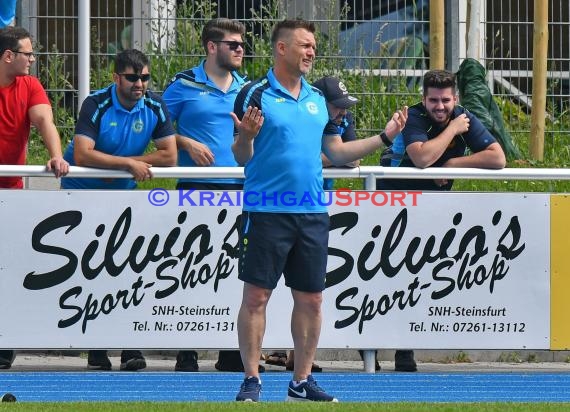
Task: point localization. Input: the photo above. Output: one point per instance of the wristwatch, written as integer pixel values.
(385, 139)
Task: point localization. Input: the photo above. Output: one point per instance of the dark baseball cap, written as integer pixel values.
(335, 92)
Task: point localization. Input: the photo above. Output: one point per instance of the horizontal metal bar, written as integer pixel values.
(553, 74)
(362, 172)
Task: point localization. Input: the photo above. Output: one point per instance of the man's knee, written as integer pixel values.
(255, 298)
(308, 300)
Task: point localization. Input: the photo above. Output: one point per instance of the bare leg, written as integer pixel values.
(306, 328)
(251, 326)
(291, 357)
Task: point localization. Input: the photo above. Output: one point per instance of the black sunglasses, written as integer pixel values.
(232, 44)
(133, 78)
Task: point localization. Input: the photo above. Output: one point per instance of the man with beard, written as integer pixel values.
(114, 128)
(437, 133)
(199, 101)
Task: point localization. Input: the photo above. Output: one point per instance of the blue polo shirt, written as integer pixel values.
(202, 111)
(285, 173)
(117, 131)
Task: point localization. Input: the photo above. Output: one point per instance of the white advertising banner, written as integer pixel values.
(150, 270)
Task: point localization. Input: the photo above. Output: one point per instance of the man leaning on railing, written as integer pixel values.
(114, 128)
(23, 102)
(438, 133)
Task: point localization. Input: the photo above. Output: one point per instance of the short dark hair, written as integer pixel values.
(439, 79)
(10, 37)
(131, 58)
(216, 29)
(289, 25)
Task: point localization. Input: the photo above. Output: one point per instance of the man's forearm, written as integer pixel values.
(242, 149)
(51, 140)
(425, 154)
(491, 158)
(158, 158)
(342, 153)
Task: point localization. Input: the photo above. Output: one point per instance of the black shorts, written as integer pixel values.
(292, 244)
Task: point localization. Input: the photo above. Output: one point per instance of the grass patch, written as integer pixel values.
(510, 357)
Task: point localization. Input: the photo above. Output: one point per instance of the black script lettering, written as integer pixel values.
(347, 221)
(449, 236)
(93, 308)
(427, 255)
(200, 231)
(36, 281)
(391, 243)
(160, 275)
(439, 294)
(114, 242)
(191, 276)
(223, 270)
(231, 250)
(138, 256)
(478, 234)
(498, 271)
(370, 308)
(467, 278)
(365, 253)
(349, 293)
(474, 235)
(424, 258)
(152, 254)
(90, 250)
(514, 229)
(173, 236)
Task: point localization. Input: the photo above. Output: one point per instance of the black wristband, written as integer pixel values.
(385, 140)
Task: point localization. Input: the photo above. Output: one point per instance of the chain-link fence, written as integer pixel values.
(381, 47)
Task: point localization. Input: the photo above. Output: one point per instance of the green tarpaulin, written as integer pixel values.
(475, 96)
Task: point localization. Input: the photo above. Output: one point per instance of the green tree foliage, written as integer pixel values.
(379, 95)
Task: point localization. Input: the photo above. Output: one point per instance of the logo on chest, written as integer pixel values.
(138, 126)
(312, 108)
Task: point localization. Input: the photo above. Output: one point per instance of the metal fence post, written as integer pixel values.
(451, 35)
(84, 50)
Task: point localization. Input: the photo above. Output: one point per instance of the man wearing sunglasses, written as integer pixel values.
(33, 108)
(199, 100)
(114, 128)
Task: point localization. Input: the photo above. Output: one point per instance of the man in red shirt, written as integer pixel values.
(23, 103)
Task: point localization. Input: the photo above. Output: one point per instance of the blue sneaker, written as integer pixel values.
(249, 390)
(308, 391)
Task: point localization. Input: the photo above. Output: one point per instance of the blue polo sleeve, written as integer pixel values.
(88, 120)
(477, 137)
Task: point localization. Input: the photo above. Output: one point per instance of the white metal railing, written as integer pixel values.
(368, 173)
